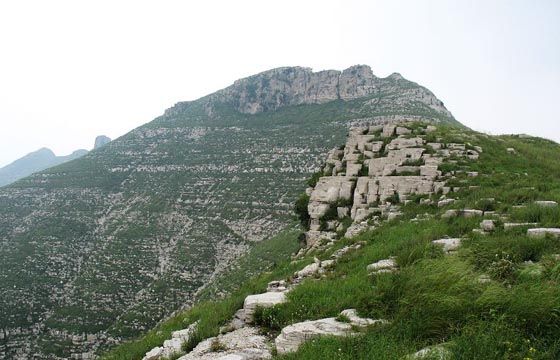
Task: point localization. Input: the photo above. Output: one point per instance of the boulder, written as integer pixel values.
(487, 225)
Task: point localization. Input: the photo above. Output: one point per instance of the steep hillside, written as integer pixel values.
(452, 254)
(99, 249)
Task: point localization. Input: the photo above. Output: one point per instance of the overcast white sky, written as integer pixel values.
(71, 70)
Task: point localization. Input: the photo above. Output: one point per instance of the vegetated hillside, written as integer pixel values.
(488, 288)
(101, 248)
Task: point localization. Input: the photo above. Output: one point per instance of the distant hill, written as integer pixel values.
(39, 160)
(33, 162)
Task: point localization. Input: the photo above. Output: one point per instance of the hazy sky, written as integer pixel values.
(71, 70)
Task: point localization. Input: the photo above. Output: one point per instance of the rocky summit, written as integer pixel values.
(98, 250)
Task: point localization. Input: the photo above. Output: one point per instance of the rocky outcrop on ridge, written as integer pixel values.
(380, 167)
(101, 141)
(285, 86)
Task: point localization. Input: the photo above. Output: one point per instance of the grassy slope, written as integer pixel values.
(434, 298)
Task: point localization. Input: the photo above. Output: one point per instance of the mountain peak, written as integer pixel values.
(100, 141)
(284, 86)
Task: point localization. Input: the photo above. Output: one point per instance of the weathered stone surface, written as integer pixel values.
(243, 344)
(450, 214)
(294, 335)
(542, 232)
(445, 202)
(403, 131)
(383, 266)
(265, 300)
(438, 352)
(388, 130)
(314, 237)
(402, 143)
(449, 245)
(316, 209)
(329, 189)
(546, 203)
(430, 171)
(172, 346)
(353, 169)
(487, 225)
(468, 213)
(508, 226)
(277, 286)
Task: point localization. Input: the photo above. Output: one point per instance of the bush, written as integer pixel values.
(300, 208)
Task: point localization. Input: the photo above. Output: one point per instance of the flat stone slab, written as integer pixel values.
(241, 344)
(389, 265)
(542, 232)
(449, 245)
(293, 336)
(438, 352)
(546, 203)
(508, 226)
(266, 300)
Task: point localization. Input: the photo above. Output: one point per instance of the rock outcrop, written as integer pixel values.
(379, 167)
(286, 86)
(101, 141)
(294, 335)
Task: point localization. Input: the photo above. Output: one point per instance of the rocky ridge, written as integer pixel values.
(288, 86)
(380, 167)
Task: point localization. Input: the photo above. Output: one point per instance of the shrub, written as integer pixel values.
(300, 208)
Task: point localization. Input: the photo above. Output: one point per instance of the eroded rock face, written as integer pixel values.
(379, 167)
(286, 86)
